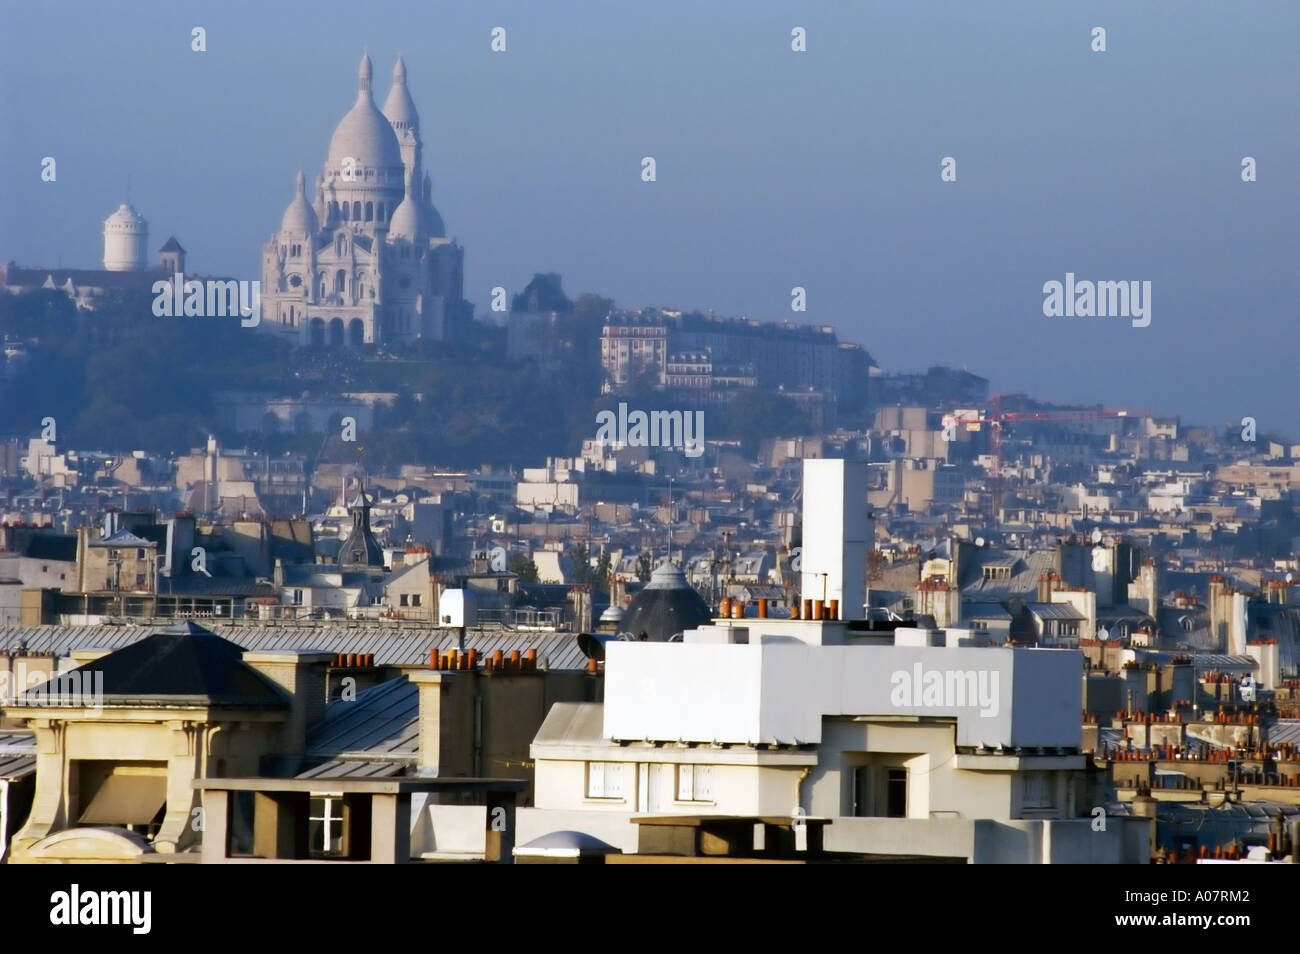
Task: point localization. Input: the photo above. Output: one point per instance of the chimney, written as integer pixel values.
(430, 687)
(302, 675)
(837, 533)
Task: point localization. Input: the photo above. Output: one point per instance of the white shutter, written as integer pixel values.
(703, 783)
(595, 779)
(614, 780)
(684, 783)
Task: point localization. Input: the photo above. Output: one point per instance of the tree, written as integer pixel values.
(581, 557)
(603, 568)
(522, 565)
(754, 415)
(644, 564)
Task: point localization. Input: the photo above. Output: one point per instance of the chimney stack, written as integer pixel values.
(837, 534)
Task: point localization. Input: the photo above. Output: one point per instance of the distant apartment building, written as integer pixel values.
(720, 354)
(631, 346)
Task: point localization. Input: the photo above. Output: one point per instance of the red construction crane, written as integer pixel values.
(999, 418)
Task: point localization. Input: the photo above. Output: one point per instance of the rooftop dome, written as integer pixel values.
(667, 606)
(612, 614)
(126, 217)
(407, 222)
(300, 217)
(364, 134)
(399, 107)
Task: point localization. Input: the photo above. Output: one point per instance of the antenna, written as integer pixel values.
(128, 188)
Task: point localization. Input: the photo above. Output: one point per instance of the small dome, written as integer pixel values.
(667, 606)
(126, 217)
(612, 614)
(364, 134)
(406, 221)
(399, 108)
(300, 217)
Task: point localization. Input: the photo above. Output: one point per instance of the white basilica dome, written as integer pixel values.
(364, 135)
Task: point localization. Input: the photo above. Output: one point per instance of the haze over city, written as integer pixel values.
(819, 170)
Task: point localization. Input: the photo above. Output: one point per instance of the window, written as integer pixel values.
(1039, 791)
(695, 783)
(325, 826)
(403, 600)
(896, 793)
(415, 599)
(604, 779)
(139, 553)
(297, 597)
(139, 579)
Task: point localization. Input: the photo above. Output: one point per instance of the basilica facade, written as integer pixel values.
(364, 257)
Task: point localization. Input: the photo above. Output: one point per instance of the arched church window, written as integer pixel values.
(381, 211)
(370, 211)
(356, 211)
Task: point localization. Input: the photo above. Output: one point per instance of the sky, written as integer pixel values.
(774, 168)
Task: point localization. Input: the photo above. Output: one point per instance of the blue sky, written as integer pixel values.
(775, 168)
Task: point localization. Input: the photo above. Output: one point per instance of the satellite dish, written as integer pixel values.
(1290, 577)
(1103, 633)
(979, 541)
(497, 559)
(593, 645)
(1096, 536)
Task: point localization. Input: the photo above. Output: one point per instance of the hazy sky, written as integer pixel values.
(775, 168)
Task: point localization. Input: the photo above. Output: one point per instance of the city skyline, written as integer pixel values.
(780, 189)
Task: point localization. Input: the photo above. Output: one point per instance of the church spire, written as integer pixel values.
(363, 75)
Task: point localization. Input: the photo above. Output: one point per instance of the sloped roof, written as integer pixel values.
(393, 644)
(572, 723)
(377, 733)
(123, 538)
(1063, 611)
(183, 665)
(17, 754)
